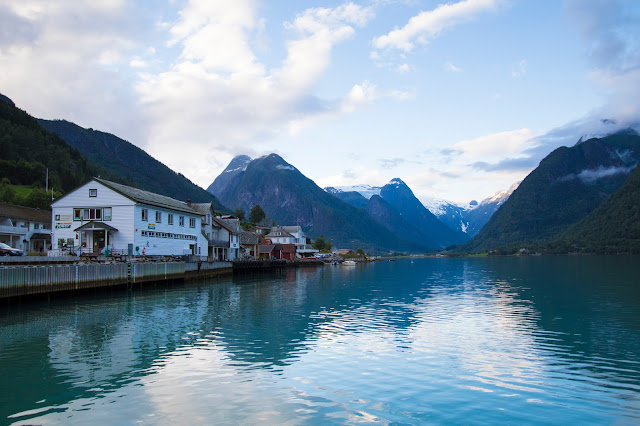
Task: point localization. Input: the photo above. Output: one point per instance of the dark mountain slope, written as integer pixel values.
(400, 196)
(352, 197)
(289, 197)
(567, 185)
(237, 165)
(27, 150)
(131, 163)
(613, 227)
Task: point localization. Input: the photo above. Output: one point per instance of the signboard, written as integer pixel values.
(62, 225)
(152, 226)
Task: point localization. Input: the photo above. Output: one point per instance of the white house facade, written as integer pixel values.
(25, 228)
(102, 214)
(229, 231)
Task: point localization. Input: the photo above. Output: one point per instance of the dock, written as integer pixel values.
(43, 279)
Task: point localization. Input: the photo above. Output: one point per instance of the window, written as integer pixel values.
(170, 219)
(92, 214)
(77, 214)
(192, 222)
(36, 226)
(106, 213)
(158, 217)
(145, 215)
(181, 221)
(93, 193)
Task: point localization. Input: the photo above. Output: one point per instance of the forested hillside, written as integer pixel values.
(131, 163)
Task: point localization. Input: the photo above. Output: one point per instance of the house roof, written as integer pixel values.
(278, 232)
(25, 213)
(232, 225)
(40, 236)
(92, 225)
(292, 229)
(266, 249)
(249, 238)
(146, 197)
(202, 208)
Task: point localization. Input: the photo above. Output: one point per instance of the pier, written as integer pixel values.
(42, 279)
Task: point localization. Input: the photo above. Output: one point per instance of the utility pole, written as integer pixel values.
(47, 181)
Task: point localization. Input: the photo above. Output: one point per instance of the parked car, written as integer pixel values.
(7, 250)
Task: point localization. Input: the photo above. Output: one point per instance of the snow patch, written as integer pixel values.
(283, 167)
(367, 191)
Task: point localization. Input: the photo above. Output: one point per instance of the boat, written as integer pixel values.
(349, 263)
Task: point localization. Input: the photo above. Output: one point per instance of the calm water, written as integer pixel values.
(552, 340)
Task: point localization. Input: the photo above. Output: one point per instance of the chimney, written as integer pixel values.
(189, 203)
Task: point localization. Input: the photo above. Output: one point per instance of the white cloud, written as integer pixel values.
(403, 68)
(448, 66)
(520, 69)
(240, 102)
(428, 24)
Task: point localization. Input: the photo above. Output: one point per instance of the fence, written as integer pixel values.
(30, 280)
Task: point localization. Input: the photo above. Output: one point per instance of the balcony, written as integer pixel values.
(219, 243)
(19, 230)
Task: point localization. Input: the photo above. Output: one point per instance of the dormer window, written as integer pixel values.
(93, 193)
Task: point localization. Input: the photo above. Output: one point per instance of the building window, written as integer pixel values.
(158, 217)
(170, 219)
(106, 213)
(77, 214)
(192, 222)
(145, 215)
(93, 193)
(181, 221)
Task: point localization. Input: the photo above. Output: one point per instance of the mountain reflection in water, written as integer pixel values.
(542, 339)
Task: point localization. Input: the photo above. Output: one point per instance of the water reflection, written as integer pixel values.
(429, 340)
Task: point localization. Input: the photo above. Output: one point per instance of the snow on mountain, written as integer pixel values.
(367, 191)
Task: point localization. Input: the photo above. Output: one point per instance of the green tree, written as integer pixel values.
(239, 213)
(38, 198)
(318, 244)
(256, 215)
(360, 252)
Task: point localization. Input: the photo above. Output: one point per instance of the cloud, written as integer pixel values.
(428, 24)
(520, 69)
(390, 163)
(241, 102)
(610, 30)
(590, 176)
(448, 66)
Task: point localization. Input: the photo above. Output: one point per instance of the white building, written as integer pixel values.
(102, 214)
(229, 231)
(25, 228)
(292, 235)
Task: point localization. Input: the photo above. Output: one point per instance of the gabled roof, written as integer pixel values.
(93, 225)
(249, 238)
(292, 229)
(146, 197)
(266, 248)
(203, 208)
(25, 213)
(278, 232)
(232, 225)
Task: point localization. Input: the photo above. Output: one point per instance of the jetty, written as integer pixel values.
(40, 276)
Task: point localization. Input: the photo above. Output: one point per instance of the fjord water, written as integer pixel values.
(552, 340)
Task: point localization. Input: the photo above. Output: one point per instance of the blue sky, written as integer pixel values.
(458, 99)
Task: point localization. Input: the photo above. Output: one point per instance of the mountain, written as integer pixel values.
(130, 163)
(400, 196)
(613, 227)
(395, 207)
(566, 186)
(27, 150)
(465, 218)
(237, 165)
(289, 197)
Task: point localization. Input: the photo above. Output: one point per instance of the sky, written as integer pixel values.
(458, 99)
